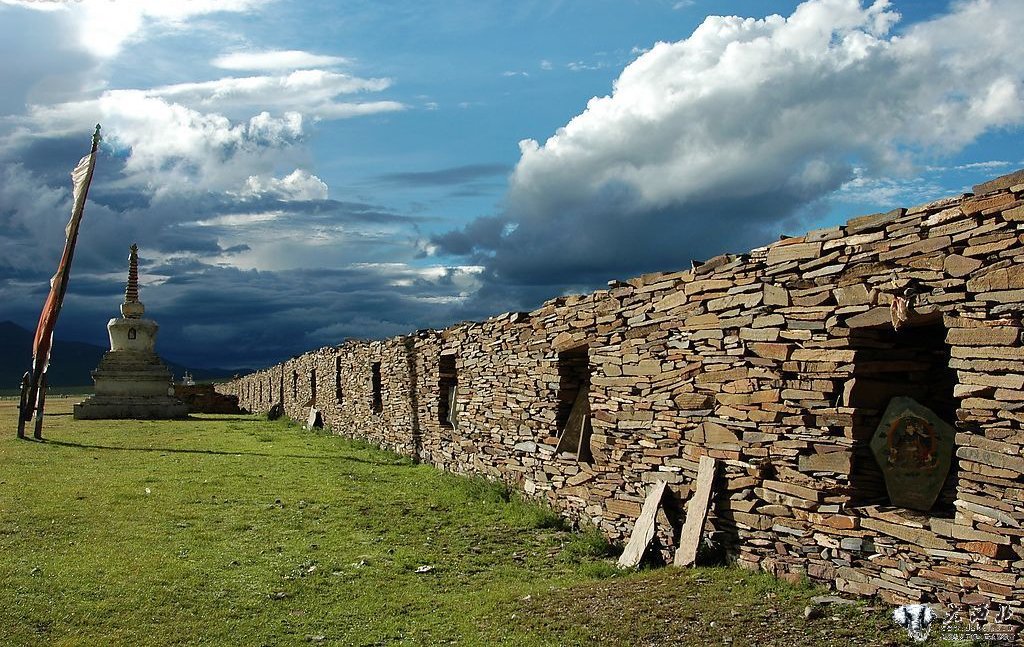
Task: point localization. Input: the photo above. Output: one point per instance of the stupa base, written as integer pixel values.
(101, 407)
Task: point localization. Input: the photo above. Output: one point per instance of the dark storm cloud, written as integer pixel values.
(38, 154)
(444, 177)
(528, 260)
(226, 317)
(477, 191)
(480, 236)
(211, 314)
(325, 210)
(263, 317)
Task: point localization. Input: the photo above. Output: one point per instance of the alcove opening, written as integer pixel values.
(377, 402)
(572, 418)
(338, 391)
(295, 385)
(447, 380)
(911, 362)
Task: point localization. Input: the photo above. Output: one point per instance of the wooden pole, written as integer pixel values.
(23, 407)
(41, 400)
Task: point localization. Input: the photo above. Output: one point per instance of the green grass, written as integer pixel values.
(232, 530)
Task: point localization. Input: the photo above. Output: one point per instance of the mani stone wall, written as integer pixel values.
(779, 363)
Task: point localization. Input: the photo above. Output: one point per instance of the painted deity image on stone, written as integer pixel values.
(914, 448)
(912, 443)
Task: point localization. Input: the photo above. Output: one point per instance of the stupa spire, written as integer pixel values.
(132, 308)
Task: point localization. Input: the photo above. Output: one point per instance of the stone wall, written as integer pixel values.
(779, 363)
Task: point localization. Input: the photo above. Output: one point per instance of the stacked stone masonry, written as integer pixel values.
(778, 363)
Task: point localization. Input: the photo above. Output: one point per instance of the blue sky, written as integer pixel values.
(297, 173)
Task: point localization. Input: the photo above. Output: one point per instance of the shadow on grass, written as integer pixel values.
(214, 452)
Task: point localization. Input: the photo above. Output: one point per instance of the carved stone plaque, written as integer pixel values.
(914, 448)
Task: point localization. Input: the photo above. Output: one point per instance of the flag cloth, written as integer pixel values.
(80, 179)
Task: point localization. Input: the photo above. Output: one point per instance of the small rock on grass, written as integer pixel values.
(831, 599)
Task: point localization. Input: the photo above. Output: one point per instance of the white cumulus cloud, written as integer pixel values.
(749, 106)
(277, 59)
(208, 134)
(312, 92)
(171, 147)
(104, 26)
(297, 185)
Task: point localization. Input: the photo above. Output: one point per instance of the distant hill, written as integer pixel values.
(71, 361)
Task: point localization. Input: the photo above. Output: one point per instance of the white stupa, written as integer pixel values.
(131, 381)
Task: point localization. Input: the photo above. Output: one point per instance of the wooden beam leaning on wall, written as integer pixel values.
(576, 434)
(643, 529)
(453, 407)
(696, 513)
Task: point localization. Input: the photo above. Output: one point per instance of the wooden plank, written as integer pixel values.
(23, 407)
(453, 407)
(643, 529)
(315, 420)
(40, 404)
(573, 433)
(696, 513)
(583, 453)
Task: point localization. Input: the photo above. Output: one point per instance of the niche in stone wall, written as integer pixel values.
(295, 385)
(911, 362)
(447, 382)
(573, 415)
(377, 401)
(338, 391)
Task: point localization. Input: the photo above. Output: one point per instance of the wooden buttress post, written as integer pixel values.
(41, 402)
(23, 406)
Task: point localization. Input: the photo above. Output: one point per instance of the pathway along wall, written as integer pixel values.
(779, 363)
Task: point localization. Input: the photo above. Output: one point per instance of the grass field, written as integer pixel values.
(232, 530)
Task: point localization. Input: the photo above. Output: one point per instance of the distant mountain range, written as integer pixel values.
(71, 361)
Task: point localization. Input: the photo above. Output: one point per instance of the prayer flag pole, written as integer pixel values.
(33, 395)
